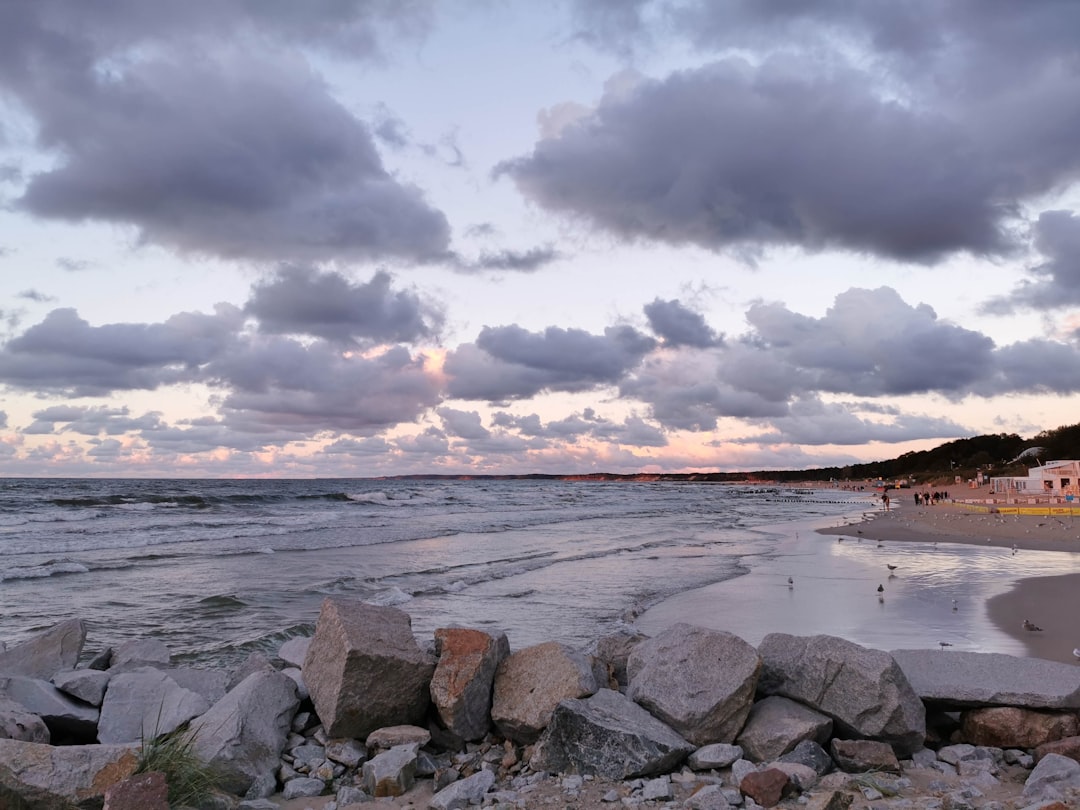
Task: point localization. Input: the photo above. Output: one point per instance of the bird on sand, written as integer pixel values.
(1034, 628)
(1076, 653)
(891, 567)
(944, 644)
(790, 583)
(954, 605)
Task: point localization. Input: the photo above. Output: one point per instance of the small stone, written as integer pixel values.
(715, 756)
(766, 787)
(303, 787)
(657, 789)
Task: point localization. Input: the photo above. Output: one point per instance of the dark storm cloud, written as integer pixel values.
(235, 159)
(509, 362)
(160, 120)
(328, 305)
(906, 130)
(1056, 281)
(463, 424)
(65, 354)
(731, 157)
(680, 326)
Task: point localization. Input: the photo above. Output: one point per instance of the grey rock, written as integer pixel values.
(87, 685)
(802, 776)
(347, 794)
(464, 678)
(46, 653)
(392, 772)
(303, 787)
(33, 775)
(1051, 776)
(255, 662)
(260, 803)
(243, 734)
(612, 652)
(924, 758)
(530, 683)
(710, 797)
(297, 678)
(345, 751)
(365, 670)
(141, 651)
(308, 755)
(607, 735)
(864, 691)
(383, 739)
(969, 679)
(714, 756)
(210, 683)
(145, 704)
(295, 650)
(701, 682)
(857, 756)
(265, 785)
(812, 755)
(739, 769)
(16, 723)
(658, 789)
(464, 792)
(62, 714)
(776, 725)
(956, 753)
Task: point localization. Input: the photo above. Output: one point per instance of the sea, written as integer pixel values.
(218, 569)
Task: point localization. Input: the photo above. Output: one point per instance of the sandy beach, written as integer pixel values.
(1050, 602)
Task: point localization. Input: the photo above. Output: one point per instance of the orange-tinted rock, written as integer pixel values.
(1011, 727)
(766, 787)
(1067, 747)
(530, 683)
(145, 791)
(461, 687)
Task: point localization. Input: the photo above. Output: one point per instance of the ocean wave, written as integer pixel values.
(377, 498)
(221, 601)
(389, 598)
(49, 569)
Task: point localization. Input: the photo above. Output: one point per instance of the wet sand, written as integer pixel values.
(1051, 602)
(956, 580)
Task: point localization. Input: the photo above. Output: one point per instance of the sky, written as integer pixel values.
(346, 238)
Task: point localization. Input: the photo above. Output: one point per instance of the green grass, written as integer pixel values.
(191, 781)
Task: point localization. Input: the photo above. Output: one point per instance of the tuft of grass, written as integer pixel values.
(191, 781)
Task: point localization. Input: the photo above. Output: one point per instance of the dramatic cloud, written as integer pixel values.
(280, 383)
(90, 421)
(679, 326)
(1056, 281)
(509, 362)
(300, 301)
(893, 129)
(65, 354)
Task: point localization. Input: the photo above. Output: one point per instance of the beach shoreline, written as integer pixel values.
(1047, 601)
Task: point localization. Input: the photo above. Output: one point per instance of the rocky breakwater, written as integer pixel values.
(691, 718)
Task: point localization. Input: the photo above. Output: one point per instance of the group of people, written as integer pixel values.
(930, 498)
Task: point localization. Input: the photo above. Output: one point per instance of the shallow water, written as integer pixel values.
(216, 569)
(835, 592)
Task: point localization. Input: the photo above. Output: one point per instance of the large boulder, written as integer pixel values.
(776, 725)
(33, 775)
(612, 652)
(989, 679)
(243, 734)
(608, 735)
(88, 685)
(530, 683)
(699, 681)
(364, 669)
(140, 652)
(47, 653)
(391, 773)
(1055, 777)
(1012, 727)
(16, 723)
(461, 687)
(864, 691)
(64, 716)
(145, 704)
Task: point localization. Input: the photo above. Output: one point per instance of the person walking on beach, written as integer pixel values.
(885, 500)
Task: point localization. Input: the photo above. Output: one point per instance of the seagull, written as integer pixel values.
(1032, 627)
(891, 567)
(954, 605)
(1014, 548)
(1076, 652)
(944, 644)
(790, 583)
(881, 589)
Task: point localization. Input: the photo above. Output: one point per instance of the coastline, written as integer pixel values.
(1048, 601)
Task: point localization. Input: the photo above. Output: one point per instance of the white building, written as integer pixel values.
(1056, 479)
